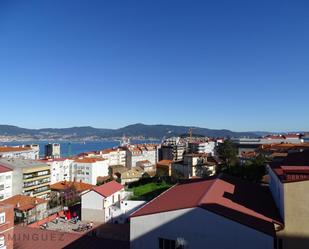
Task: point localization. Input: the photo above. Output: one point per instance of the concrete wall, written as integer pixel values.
(17, 187)
(93, 215)
(296, 205)
(92, 207)
(92, 200)
(198, 227)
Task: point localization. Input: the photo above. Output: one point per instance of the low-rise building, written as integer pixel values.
(252, 144)
(124, 175)
(68, 191)
(200, 165)
(27, 209)
(29, 177)
(89, 169)
(164, 168)
(215, 213)
(98, 203)
(146, 165)
(25, 152)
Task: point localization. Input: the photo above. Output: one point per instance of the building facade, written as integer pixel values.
(193, 165)
(137, 153)
(27, 209)
(5, 182)
(99, 203)
(24, 152)
(116, 156)
(89, 169)
(6, 226)
(52, 150)
(60, 169)
(29, 177)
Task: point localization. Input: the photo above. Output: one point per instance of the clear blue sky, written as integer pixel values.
(240, 65)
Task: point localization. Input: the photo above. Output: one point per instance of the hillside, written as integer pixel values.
(135, 130)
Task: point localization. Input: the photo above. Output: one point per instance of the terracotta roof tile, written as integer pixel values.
(23, 202)
(88, 160)
(4, 169)
(12, 149)
(108, 189)
(226, 196)
(79, 186)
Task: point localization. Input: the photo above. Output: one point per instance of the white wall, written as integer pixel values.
(92, 200)
(32, 154)
(6, 179)
(199, 228)
(89, 172)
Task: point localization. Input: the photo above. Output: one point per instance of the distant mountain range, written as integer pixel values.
(135, 130)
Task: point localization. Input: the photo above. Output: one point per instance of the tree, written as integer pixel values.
(202, 170)
(228, 153)
(254, 169)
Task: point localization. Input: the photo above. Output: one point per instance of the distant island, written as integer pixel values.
(134, 131)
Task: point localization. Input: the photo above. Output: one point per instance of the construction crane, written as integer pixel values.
(190, 133)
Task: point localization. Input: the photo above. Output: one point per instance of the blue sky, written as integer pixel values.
(240, 65)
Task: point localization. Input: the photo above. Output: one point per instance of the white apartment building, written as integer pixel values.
(99, 203)
(115, 156)
(60, 169)
(29, 177)
(5, 182)
(202, 147)
(24, 152)
(137, 153)
(88, 169)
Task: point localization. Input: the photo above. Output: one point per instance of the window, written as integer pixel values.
(2, 218)
(1, 187)
(171, 244)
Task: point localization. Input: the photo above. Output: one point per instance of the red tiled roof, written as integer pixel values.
(165, 162)
(23, 202)
(294, 167)
(88, 160)
(64, 185)
(108, 189)
(243, 202)
(4, 169)
(13, 149)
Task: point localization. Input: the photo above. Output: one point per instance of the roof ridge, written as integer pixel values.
(207, 190)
